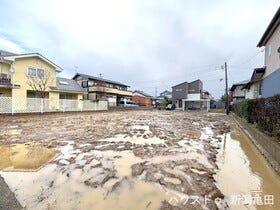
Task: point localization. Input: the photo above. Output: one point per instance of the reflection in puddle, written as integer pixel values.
(99, 179)
(25, 157)
(56, 189)
(244, 172)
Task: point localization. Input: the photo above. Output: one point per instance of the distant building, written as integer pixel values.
(141, 98)
(237, 91)
(190, 95)
(165, 94)
(97, 88)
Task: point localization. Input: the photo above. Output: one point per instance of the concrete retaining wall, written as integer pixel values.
(268, 146)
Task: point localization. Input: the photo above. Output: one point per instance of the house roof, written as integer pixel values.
(187, 82)
(274, 23)
(256, 76)
(206, 92)
(166, 91)
(6, 53)
(242, 83)
(142, 93)
(86, 76)
(180, 84)
(67, 85)
(12, 56)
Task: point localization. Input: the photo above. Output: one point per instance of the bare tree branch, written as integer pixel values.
(40, 84)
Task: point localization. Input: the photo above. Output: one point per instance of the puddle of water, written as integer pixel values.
(243, 171)
(12, 132)
(25, 157)
(206, 133)
(53, 189)
(134, 140)
(63, 187)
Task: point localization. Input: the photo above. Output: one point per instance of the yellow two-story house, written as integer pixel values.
(25, 76)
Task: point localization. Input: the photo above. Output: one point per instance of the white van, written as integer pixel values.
(126, 103)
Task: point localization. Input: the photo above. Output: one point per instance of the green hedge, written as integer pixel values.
(264, 113)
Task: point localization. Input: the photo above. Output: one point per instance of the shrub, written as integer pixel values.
(264, 113)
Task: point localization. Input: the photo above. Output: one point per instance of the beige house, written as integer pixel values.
(265, 81)
(27, 76)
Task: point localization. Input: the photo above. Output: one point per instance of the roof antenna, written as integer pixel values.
(76, 69)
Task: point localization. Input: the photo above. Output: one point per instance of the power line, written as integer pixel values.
(248, 59)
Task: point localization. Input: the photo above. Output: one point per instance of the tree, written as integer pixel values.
(41, 82)
(224, 98)
(164, 103)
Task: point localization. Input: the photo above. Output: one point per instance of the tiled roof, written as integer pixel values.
(86, 76)
(6, 53)
(142, 93)
(67, 85)
(242, 83)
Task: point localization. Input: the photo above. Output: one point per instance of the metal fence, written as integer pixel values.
(9, 105)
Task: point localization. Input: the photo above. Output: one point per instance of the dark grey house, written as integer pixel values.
(182, 91)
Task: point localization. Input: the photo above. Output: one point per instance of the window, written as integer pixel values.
(40, 73)
(84, 84)
(63, 83)
(32, 72)
(90, 83)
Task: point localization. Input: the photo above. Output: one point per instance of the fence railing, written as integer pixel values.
(9, 105)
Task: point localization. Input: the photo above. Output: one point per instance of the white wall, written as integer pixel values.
(194, 96)
(238, 92)
(272, 57)
(253, 92)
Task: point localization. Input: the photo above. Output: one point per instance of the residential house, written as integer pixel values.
(265, 82)
(190, 96)
(141, 98)
(97, 88)
(253, 87)
(20, 73)
(165, 94)
(185, 90)
(68, 89)
(237, 91)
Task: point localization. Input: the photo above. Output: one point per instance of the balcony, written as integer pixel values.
(5, 80)
(109, 90)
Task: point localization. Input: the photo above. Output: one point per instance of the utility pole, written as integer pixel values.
(103, 94)
(155, 92)
(227, 98)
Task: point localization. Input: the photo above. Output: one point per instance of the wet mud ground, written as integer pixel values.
(114, 160)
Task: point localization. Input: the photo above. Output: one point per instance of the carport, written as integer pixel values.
(196, 104)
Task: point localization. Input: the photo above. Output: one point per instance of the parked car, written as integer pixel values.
(127, 104)
(170, 107)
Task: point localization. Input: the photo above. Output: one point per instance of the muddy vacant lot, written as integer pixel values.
(113, 160)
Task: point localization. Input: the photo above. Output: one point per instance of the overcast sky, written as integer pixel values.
(145, 44)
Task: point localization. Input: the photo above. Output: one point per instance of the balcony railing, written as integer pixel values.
(5, 80)
(110, 90)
